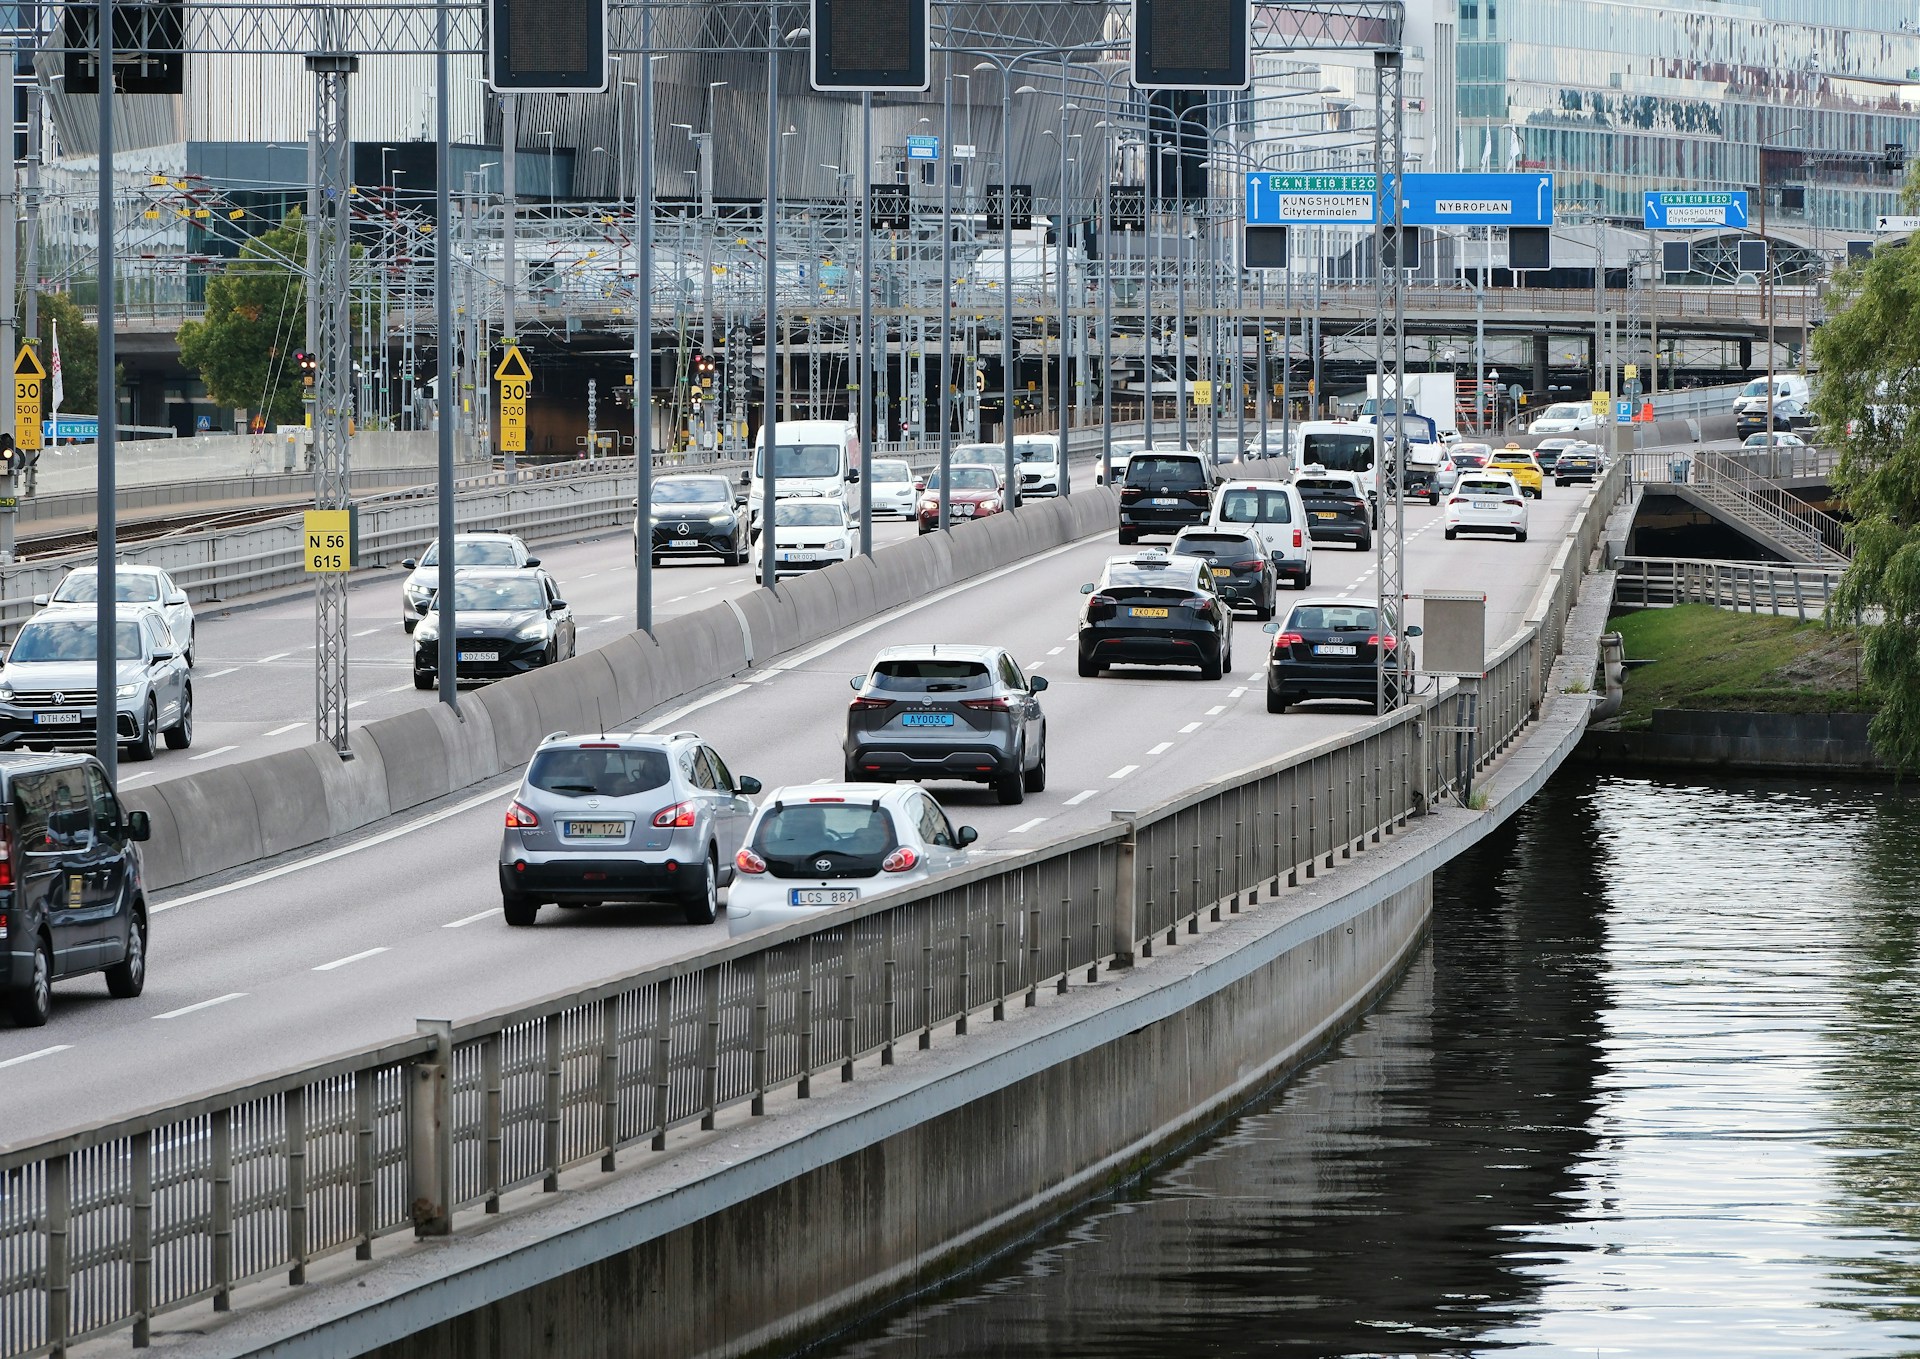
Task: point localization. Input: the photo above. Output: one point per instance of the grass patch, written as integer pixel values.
(1714, 659)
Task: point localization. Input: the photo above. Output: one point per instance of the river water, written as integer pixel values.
(1651, 1089)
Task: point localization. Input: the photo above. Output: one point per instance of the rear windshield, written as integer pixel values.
(606, 773)
(704, 491)
(930, 677)
(1335, 618)
(1324, 487)
(1210, 544)
(71, 640)
(1266, 506)
(1150, 469)
(1482, 487)
(1154, 577)
(83, 587)
(796, 834)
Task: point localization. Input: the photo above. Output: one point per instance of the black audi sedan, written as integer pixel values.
(696, 516)
(1329, 648)
(506, 622)
(1336, 509)
(1155, 609)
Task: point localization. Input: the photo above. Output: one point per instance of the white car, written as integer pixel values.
(1565, 417)
(813, 847)
(812, 533)
(1122, 455)
(1271, 509)
(1486, 502)
(1039, 456)
(893, 491)
(1780, 439)
(132, 584)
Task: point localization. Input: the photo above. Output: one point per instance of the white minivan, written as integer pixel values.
(1271, 509)
(814, 458)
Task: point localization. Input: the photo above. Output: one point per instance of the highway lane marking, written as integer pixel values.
(350, 958)
(411, 827)
(1214, 711)
(202, 1005)
(1123, 771)
(468, 920)
(612, 618)
(276, 656)
(209, 754)
(685, 708)
(1192, 727)
(1035, 665)
(586, 575)
(1079, 798)
(31, 1056)
(357, 703)
(1162, 748)
(401, 688)
(1236, 693)
(367, 632)
(1026, 825)
(218, 673)
(1254, 676)
(282, 731)
(1056, 651)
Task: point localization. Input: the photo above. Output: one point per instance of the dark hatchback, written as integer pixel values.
(1163, 493)
(1155, 609)
(697, 517)
(508, 622)
(1327, 648)
(1243, 573)
(1576, 465)
(1336, 512)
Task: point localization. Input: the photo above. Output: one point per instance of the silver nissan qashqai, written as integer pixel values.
(623, 817)
(948, 712)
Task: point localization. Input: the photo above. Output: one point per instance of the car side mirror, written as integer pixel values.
(556, 606)
(410, 563)
(1271, 627)
(1037, 684)
(739, 501)
(177, 597)
(746, 478)
(139, 826)
(41, 601)
(160, 656)
(1087, 589)
(920, 485)
(853, 475)
(748, 786)
(965, 836)
(1415, 630)
(532, 561)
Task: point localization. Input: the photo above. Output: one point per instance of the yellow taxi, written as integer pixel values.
(1518, 463)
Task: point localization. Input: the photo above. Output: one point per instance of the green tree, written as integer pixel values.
(255, 323)
(79, 354)
(1868, 354)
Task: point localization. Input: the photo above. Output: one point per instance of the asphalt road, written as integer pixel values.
(353, 944)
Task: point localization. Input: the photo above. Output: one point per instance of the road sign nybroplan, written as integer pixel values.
(1306, 200)
(1682, 210)
(514, 377)
(1897, 224)
(29, 398)
(1504, 199)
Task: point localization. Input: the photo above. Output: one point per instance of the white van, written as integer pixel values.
(1272, 510)
(811, 458)
(1786, 387)
(1340, 446)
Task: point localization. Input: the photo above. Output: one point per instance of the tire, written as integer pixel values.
(1128, 537)
(703, 906)
(1365, 544)
(1433, 497)
(1263, 613)
(1276, 701)
(519, 909)
(407, 625)
(142, 748)
(849, 774)
(1519, 535)
(189, 650)
(1089, 668)
(1452, 534)
(180, 734)
(1212, 667)
(127, 978)
(1306, 581)
(1035, 779)
(1011, 789)
(32, 1007)
(423, 679)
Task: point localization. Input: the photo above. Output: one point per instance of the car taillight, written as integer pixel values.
(749, 862)
(1511, 501)
(1105, 601)
(1289, 639)
(1296, 539)
(1254, 564)
(1389, 641)
(996, 705)
(6, 856)
(867, 704)
(1456, 500)
(1202, 495)
(679, 814)
(519, 814)
(899, 861)
(1129, 492)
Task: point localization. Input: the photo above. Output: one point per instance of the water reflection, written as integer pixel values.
(1650, 1089)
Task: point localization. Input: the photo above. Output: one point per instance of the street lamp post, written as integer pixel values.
(1007, 360)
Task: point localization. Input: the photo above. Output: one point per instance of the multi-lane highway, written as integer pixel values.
(352, 944)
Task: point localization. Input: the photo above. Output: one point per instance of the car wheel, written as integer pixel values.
(423, 679)
(1433, 497)
(127, 978)
(1519, 535)
(1128, 537)
(407, 625)
(1452, 534)
(180, 734)
(1276, 701)
(1035, 779)
(142, 749)
(1011, 789)
(189, 651)
(1306, 581)
(703, 905)
(1365, 544)
(1089, 668)
(33, 1004)
(520, 910)
(1212, 667)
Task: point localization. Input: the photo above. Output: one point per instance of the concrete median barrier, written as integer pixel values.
(512, 716)
(414, 754)
(633, 662)
(289, 798)
(354, 791)
(215, 814)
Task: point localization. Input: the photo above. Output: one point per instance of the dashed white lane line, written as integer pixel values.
(468, 920)
(1216, 709)
(1123, 771)
(611, 618)
(350, 958)
(1056, 651)
(276, 656)
(202, 1005)
(1026, 825)
(1192, 727)
(218, 673)
(586, 575)
(1235, 693)
(209, 754)
(364, 632)
(401, 688)
(1035, 665)
(357, 703)
(1254, 676)
(34, 1056)
(1161, 749)
(1079, 798)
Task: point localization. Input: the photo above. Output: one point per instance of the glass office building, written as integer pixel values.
(1814, 101)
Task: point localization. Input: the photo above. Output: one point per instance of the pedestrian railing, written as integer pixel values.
(1736, 486)
(1750, 587)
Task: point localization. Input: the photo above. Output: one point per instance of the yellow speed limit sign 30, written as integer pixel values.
(332, 544)
(514, 377)
(29, 398)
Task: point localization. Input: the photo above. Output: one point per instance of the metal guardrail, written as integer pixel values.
(1750, 587)
(1734, 483)
(113, 1224)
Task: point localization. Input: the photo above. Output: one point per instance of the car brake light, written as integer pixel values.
(679, 814)
(1389, 641)
(1107, 600)
(6, 856)
(749, 862)
(864, 704)
(1456, 500)
(1296, 539)
(1252, 565)
(826, 799)
(997, 705)
(1289, 639)
(1511, 501)
(599, 745)
(519, 814)
(899, 861)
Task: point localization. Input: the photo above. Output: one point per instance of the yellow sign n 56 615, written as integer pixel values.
(330, 545)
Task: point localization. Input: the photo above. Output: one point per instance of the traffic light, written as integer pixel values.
(309, 365)
(547, 46)
(7, 455)
(1192, 44)
(872, 45)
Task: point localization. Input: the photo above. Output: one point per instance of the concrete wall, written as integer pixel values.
(1770, 742)
(145, 462)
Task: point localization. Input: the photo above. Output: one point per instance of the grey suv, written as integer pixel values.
(47, 685)
(70, 882)
(623, 818)
(948, 712)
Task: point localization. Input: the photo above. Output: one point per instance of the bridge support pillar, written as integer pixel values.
(1539, 383)
(1121, 921)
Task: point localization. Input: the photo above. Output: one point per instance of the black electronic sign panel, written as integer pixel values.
(547, 46)
(872, 46)
(1192, 44)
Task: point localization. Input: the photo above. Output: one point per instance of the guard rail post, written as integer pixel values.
(1122, 926)
(430, 1133)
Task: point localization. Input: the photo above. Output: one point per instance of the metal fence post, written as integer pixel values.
(142, 1243)
(59, 1276)
(554, 1031)
(758, 1036)
(365, 1201)
(1121, 923)
(430, 1133)
(492, 1110)
(609, 1082)
(220, 1176)
(889, 943)
(848, 1028)
(293, 1106)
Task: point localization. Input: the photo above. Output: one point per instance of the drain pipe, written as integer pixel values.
(1613, 666)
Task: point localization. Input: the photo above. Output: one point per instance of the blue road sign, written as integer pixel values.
(1309, 200)
(923, 148)
(1681, 210)
(1623, 412)
(1520, 200)
(76, 428)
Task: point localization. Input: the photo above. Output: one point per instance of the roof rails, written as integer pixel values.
(554, 736)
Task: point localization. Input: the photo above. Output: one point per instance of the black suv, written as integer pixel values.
(1165, 490)
(71, 896)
